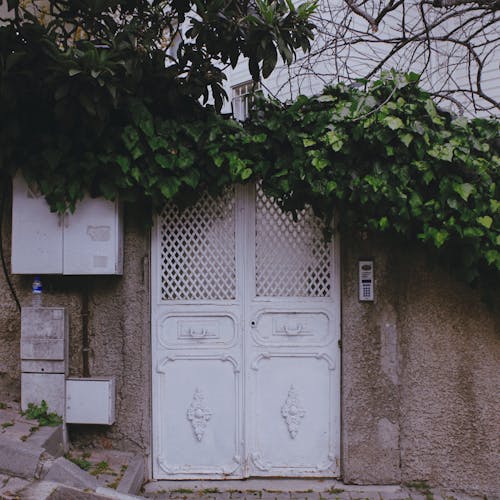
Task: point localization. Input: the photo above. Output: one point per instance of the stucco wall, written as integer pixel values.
(119, 333)
(420, 365)
(421, 375)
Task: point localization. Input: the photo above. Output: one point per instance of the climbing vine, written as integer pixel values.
(385, 158)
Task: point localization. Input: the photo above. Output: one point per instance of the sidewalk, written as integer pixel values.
(34, 466)
(287, 489)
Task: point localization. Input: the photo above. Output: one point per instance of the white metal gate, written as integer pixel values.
(245, 306)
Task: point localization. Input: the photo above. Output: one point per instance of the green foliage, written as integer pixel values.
(390, 162)
(101, 467)
(108, 49)
(82, 462)
(42, 414)
(386, 159)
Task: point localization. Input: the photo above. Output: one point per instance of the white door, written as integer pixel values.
(245, 306)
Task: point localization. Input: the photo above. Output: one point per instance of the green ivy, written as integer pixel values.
(389, 161)
(386, 159)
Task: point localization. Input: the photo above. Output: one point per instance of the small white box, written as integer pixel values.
(90, 400)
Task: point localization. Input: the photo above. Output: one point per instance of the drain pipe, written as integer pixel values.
(85, 330)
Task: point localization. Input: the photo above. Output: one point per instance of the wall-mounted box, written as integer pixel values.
(90, 241)
(44, 339)
(90, 400)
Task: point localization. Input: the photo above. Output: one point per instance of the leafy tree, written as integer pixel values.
(72, 72)
(453, 44)
(185, 44)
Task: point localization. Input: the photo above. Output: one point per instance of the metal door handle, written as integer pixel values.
(198, 335)
(292, 331)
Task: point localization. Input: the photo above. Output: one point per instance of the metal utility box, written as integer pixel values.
(90, 241)
(90, 400)
(44, 340)
(44, 354)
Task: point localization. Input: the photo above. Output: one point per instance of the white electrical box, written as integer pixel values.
(366, 284)
(37, 237)
(44, 355)
(90, 241)
(90, 400)
(44, 340)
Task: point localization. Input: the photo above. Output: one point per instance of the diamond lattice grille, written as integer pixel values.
(292, 258)
(198, 251)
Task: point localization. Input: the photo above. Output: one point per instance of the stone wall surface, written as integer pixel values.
(420, 365)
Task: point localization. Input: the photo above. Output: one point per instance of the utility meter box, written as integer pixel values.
(89, 241)
(44, 340)
(44, 354)
(90, 400)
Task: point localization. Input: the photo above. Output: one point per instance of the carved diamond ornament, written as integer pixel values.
(292, 412)
(198, 414)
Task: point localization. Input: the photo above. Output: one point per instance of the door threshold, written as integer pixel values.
(271, 485)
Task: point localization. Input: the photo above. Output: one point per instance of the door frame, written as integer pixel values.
(242, 194)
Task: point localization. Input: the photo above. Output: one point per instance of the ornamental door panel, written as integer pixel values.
(291, 346)
(245, 329)
(197, 341)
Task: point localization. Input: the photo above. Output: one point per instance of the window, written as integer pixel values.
(241, 97)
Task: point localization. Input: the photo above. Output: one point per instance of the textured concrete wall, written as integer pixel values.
(421, 375)
(370, 369)
(420, 365)
(119, 331)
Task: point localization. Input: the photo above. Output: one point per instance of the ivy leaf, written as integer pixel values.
(442, 151)
(493, 257)
(130, 137)
(473, 232)
(308, 142)
(336, 141)
(156, 142)
(319, 163)
(164, 161)
(383, 223)
(170, 188)
(464, 190)
(439, 237)
(393, 122)
(485, 221)
(246, 173)
(406, 139)
(136, 152)
(259, 138)
(428, 177)
(123, 162)
(430, 107)
(192, 179)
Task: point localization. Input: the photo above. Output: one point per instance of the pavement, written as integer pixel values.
(38, 463)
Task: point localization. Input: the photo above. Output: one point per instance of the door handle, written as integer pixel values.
(293, 331)
(198, 335)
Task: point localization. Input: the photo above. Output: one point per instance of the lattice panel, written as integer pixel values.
(198, 250)
(292, 259)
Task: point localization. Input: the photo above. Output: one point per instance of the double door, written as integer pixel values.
(245, 330)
